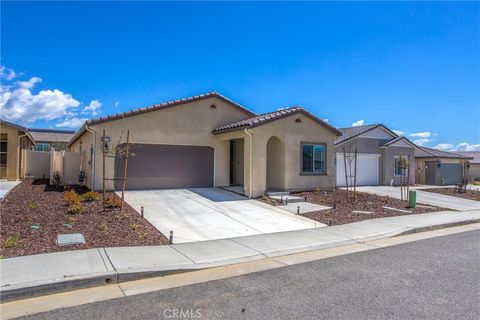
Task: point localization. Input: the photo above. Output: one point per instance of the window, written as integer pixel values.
(3, 149)
(401, 164)
(313, 158)
(43, 147)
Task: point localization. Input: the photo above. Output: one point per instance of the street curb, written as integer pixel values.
(29, 290)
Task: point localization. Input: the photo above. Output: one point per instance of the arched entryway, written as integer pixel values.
(275, 164)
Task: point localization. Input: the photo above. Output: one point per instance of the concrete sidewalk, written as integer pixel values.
(424, 197)
(45, 273)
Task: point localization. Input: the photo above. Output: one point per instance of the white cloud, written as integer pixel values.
(358, 123)
(71, 123)
(28, 84)
(326, 120)
(399, 133)
(20, 104)
(464, 146)
(421, 135)
(421, 141)
(92, 107)
(7, 73)
(116, 104)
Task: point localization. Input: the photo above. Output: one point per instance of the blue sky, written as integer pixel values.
(412, 66)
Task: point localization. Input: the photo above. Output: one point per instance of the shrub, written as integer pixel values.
(91, 196)
(11, 242)
(142, 235)
(74, 209)
(57, 179)
(33, 205)
(71, 197)
(134, 226)
(104, 226)
(113, 202)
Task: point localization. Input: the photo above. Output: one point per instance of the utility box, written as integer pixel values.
(412, 199)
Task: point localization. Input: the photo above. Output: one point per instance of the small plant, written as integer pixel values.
(71, 197)
(91, 196)
(57, 179)
(71, 220)
(104, 226)
(142, 235)
(33, 205)
(11, 242)
(113, 202)
(134, 226)
(74, 209)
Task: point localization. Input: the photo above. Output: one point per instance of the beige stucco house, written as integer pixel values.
(13, 139)
(209, 140)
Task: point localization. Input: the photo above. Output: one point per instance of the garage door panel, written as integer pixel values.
(451, 173)
(167, 166)
(367, 170)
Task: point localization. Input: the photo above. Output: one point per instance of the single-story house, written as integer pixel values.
(13, 138)
(48, 138)
(473, 164)
(436, 167)
(381, 156)
(211, 141)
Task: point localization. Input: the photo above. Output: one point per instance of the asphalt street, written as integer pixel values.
(438, 278)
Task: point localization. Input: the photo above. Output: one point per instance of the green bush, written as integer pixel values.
(74, 209)
(91, 196)
(11, 241)
(33, 205)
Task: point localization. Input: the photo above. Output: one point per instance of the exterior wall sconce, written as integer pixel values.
(439, 163)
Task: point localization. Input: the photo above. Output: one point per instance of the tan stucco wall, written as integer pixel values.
(188, 124)
(13, 168)
(292, 134)
(86, 162)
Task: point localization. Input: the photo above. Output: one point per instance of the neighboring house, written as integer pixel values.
(13, 138)
(474, 164)
(436, 167)
(209, 140)
(381, 156)
(47, 138)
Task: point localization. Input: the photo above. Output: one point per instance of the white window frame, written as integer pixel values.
(398, 156)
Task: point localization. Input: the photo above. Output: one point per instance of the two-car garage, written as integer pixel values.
(159, 166)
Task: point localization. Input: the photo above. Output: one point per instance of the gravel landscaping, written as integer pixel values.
(34, 213)
(365, 206)
(469, 194)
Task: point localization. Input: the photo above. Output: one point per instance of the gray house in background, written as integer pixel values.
(436, 167)
(46, 138)
(474, 164)
(380, 154)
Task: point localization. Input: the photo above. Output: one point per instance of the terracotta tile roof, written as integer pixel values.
(269, 117)
(165, 105)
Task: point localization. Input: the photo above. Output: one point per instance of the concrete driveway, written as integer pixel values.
(428, 198)
(209, 213)
(6, 186)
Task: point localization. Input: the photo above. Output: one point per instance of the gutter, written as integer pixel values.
(94, 135)
(250, 134)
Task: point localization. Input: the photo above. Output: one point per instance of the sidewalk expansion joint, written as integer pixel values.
(244, 245)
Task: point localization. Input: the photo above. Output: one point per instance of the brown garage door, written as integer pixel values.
(167, 166)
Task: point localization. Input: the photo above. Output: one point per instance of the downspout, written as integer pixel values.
(250, 134)
(94, 134)
(19, 149)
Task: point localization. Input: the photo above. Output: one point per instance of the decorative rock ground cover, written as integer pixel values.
(34, 213)
(469, 194)
(365, 206)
